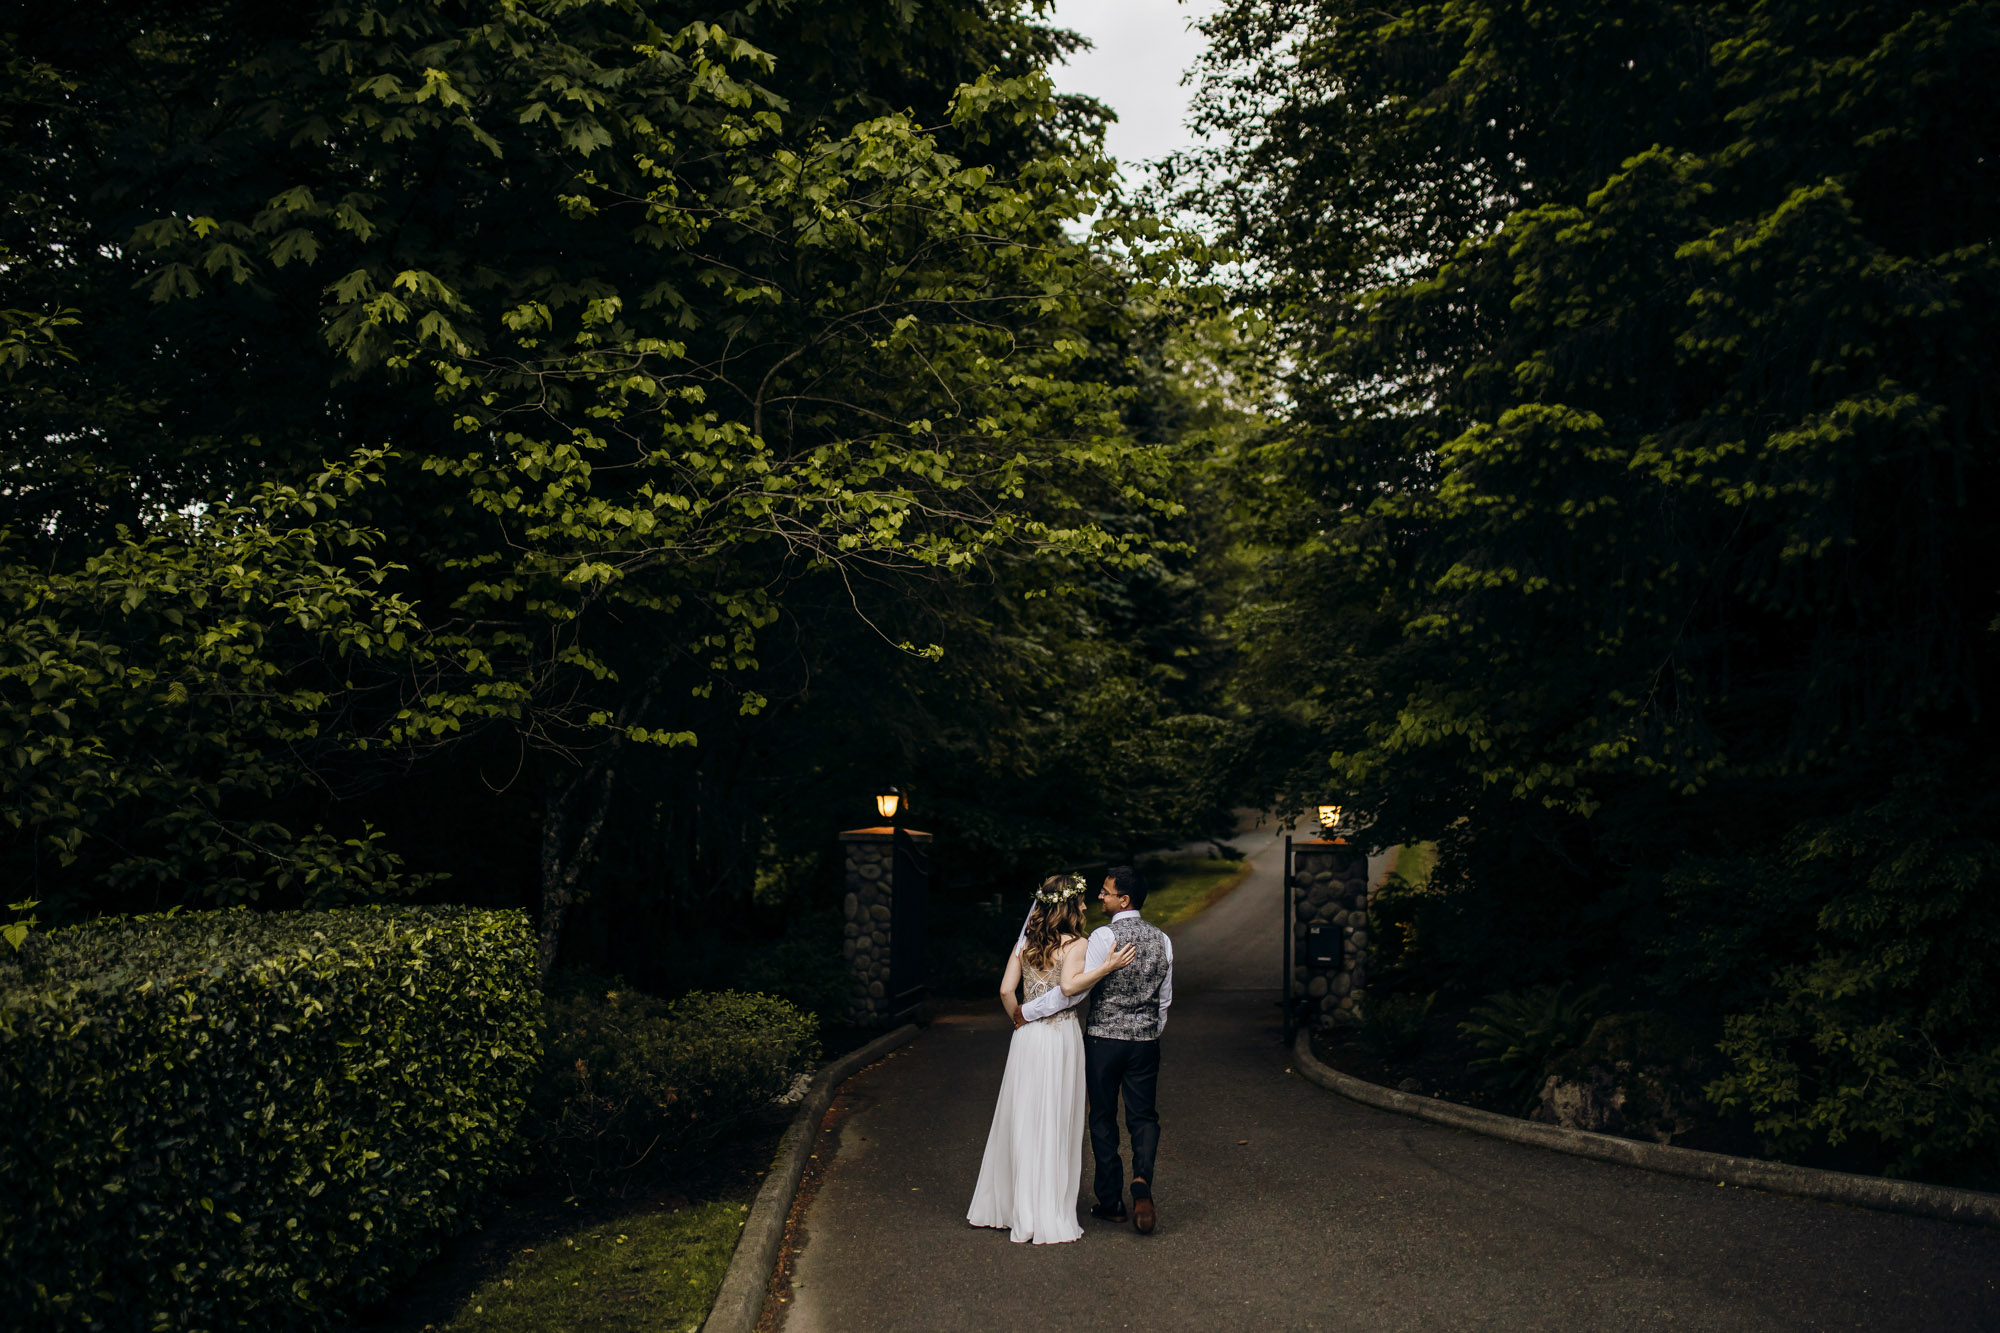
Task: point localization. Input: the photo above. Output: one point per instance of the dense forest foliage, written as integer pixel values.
(578, 450)
(567, 453)
(1629, 531)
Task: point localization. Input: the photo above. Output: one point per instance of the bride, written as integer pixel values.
(1034, 1152)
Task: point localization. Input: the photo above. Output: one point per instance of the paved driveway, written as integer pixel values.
(1332, 1215)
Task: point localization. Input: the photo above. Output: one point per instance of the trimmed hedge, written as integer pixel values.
(635, 1084)
(233, 1119)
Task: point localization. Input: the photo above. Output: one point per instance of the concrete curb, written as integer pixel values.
(1973, 1207)
(739, 1304)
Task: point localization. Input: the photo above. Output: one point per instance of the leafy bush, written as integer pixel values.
(239, 1120)
(1399, 902)
(633, 1081)
(1394, 1025)
(804, 967)
(1877, 1046)
(194, 669)
(1523, 1033)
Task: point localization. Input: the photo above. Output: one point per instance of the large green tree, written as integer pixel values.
(638, 327)
(1643, 451)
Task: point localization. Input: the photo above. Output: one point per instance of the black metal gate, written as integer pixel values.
(1285, 985)
(908, 904)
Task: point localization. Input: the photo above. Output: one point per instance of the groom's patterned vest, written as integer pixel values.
(1126, 1004)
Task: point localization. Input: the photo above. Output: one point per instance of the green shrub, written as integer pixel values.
(252, 1120)
(1523, 1033)
(1399, 903)
(1877, 1046)
(1394, 1026)
(804, 967)
(633, 1081)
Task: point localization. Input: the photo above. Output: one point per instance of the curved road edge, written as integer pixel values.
(1972, 1207)
(739, 1302)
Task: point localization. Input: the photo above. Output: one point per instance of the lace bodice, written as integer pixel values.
(1035, 984)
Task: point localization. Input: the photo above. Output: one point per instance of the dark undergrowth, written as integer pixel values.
(1441, 1066)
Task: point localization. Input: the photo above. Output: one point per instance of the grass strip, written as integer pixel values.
(656, 1271)
(1181, 890)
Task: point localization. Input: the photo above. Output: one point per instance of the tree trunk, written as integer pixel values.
(589, 799)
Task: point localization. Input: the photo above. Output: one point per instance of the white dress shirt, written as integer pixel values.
(1102, 942)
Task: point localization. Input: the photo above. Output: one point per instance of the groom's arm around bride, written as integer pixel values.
(1082, 969)
(1098, 959)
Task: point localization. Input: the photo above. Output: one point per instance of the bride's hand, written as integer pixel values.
(1120, 956)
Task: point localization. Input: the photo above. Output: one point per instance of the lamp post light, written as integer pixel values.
(1329, 820)
(1326, 903)
(888, 875)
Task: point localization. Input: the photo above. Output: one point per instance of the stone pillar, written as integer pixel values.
(1330, 888)
(870, 905)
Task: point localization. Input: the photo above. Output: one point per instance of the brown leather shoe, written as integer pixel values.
(1142, 1216)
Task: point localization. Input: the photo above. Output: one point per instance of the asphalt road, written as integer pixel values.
(1332, 1215)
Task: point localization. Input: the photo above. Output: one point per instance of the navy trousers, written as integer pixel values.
(1111, 1067)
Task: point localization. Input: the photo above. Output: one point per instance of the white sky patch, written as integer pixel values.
(1143, 48)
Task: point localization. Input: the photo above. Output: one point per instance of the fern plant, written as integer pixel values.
(1520, 1034)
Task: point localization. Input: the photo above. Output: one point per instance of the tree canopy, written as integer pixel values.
(484, 393)
(1633, 507)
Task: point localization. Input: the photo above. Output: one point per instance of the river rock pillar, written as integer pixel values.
(1329, 889)
(888, 883)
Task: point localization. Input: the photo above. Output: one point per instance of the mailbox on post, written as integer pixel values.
(1325, 915)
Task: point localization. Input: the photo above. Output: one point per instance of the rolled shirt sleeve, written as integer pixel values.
(1052, 1000)
(1167, 982)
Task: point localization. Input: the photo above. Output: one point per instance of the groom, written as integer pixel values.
(1121, 1046)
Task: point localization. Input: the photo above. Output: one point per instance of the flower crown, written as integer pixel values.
(1072, 887)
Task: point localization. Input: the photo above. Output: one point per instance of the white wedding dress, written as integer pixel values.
(1034, 1152)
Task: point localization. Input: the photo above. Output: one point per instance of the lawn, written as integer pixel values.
(1180, 889)
(655, 1270)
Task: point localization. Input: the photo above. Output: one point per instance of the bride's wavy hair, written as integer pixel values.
(1053, 922)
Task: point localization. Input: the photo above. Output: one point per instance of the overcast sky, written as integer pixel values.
(1143, 47)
